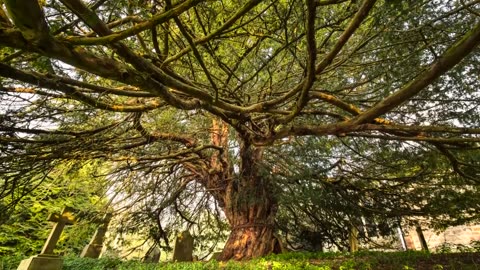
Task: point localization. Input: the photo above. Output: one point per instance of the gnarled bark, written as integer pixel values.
(246, 198)
(250, 208)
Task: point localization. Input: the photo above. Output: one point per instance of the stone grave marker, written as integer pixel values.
(153, 256)
(94, 248)
(183, 251)
(46, 260)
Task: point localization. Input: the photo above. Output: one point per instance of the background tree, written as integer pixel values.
(26, 228)
(329, 186)
(199, 90)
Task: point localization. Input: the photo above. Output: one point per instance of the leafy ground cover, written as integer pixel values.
(289, 261)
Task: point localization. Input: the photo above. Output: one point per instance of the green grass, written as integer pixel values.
(411, 260)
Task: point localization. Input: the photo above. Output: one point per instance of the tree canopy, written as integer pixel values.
(227, 110)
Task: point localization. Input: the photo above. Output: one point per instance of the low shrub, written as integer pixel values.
(10, 262)
(287, 261)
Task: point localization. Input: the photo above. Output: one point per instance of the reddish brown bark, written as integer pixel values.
(246, 198)
(250, 208)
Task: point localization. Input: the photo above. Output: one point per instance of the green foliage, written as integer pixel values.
(287, 261)
(351, 74)
(325, 186)
(74, 185)
(10, 262)
(75, 263)
(475, 245)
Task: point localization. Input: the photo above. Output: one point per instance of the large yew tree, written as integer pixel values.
(196, 93)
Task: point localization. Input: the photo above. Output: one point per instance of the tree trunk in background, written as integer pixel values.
(353, 238)
(250, 208)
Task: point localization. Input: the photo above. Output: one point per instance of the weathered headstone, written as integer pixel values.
(46, 260)
(313, 237)
(94, 248)
(153, 256)
(183, 251)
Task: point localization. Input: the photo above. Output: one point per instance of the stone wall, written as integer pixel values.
(458, 235)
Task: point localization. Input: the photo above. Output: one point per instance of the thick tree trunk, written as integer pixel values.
(246, 198)
(250, 208)
(249, 242)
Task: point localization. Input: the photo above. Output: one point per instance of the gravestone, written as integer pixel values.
(94, 248)
(183, 251)
(153, 256)
(46, 260)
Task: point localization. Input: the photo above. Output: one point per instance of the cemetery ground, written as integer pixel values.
(409, 260)
(466, 257)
